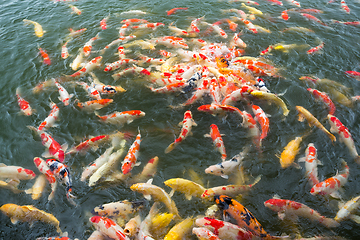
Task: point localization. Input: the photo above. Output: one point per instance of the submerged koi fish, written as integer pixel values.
(37, 27)
(311, 163)
(331, 185)
(346, 210)
(217, 140)
(92, 92)
(316, 49)
(44, 169)
(95, 62)
(64, 50)
(271, 97)
(23, 104)
(187, 124)
(295, 209)
(64, 95)
(94, 104)
(103, 22)
(305, 114)
(287, 156)
(88, 45)
(45, 56)
(92, 143)
(189, 188)
(174, 10)
(132, 155)
(324, 98)
(104, 89)
(121, 118)
(75, 9)
(38, 187)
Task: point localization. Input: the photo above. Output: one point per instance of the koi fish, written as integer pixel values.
(355, 23)
(30, 214)
(148, 171)
(37, 189)
(108, 227)
(189, 188)
(44, 169)
(178, 31)
(15, 172)
(316, 49)
(262, 119)
(118, 209)
(37, 27)
(121, 118)
(144, 230)
(132, 155)
(54, 148)
(252, 9)
(92, 143)
(94, 104)
(295, 209)
(117, 41)
(311, 163)
(223, 169)
(23, 104)
(92, 92)
(51, 118)
(104, 89)
(132, 226)
(344, 134)
(194, 25)
(95, 62)
(64, 50)
(103, 23)
(224, 230)
(97, 235)
(62, 173)
(118, 64)
(305, 114)
(74, 33)
(293, 2)
(170, 88)
(297, 29)
(242, 215)
(344, 6)
(187, 124)
(237, 95)
(45, 56)
(64, 95)
(174, 10)
(271, 97)
(324, 98)
(229, 190)
(277, 2)
(180, 229)
(346, 210)
(267, 50)
(45, 85)
(204, 233)
(217, 140)
(135, 69)
(153, 26)
(287, 156)
(11, 185)
(75, 9)
(331, 185)
(237, 41)
(353, 74)
(88, 45)
(159, 195)
(78, 60)
(313, 18)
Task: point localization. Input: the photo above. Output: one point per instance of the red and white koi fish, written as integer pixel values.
(64, 50)
(344, 6)
(194, 24)
(174, 10)
(267, 50)
(217, 29)
(316, 49)
(153, 26)
(174, 87)
(277, 2)
(45, 85)
(355, 23)
(92, 143)
(44, 169)
(324, 98)
(23, 104)
(331, 185)
(293, 2)
(224, 230)
(95, 62)
(229, 190)
(76, 33)
(54, 148)
(135, 69)
(123, 29)
(313, 18)
(121, 52)
(15, 172)
(178, 31)
(121, 118)
(295, 209)
(132, 155)
(102, 88)
(353, 74)
(214, 90)
(237, 95)
(237, 41)
(62, 173)
(103, 22)
(307, 10)
(149, 60)
(344, 134)
(311, 163)
(117, 41)
(45, 56)
(75, 9)
(187, 123)
(249, 25)
(262, 119)
(108, 228)
(64, 95)
(204, 233)
(239, 12)
(88, 45)
(215, 109)
(134, 21)
(224, 168)
(217, 140)
(118, 64)
(171, 41)
(94, 104)
(51, 118)
(93, 93)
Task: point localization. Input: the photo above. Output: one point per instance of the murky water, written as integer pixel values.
(21, 66)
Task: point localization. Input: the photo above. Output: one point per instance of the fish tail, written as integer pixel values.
(330, 223)
(357, 159)
(170, 147)
(332, 137)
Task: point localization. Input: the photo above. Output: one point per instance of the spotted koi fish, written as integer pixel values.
(313, 18)
(117, 41)
(132, 155)
(90, 143)
(262, 119)
(64, 95)
(291, 208)
(217, 140)
(344, 6)
(324, 98)
(118, 64)
(103, 23)
(108, 228)
(316, 49)
(44, 169)
(51, 118)
(64, 50)
(237, 95)
(15, 172)
(94, 104)
(62, 173)
(95, 62)
(92, 92)
(104, 89)
(23, 104)
(88, 45)
(194, 24)
(121, 118)
(171, 41)
(54, 148)
(135, 69)
(45, 56)
(344, 134)
(187, 124)
(331, 185)
(204, 233)
(118, 209)
(311, 163)
(153, 26)
(174, 87)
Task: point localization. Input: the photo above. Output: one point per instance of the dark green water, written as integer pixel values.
(21, 66)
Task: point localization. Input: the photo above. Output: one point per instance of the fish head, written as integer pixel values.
(215, 170)
(223, 201)
(275, 204)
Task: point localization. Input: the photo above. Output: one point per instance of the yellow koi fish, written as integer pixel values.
(189, 188)
(37, 189)
(37, 27)
(180, 230)
(252, 10)
(287, 156)
(271, 97)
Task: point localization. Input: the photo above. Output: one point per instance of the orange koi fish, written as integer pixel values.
(311, 163)
(132, 155)
(217, 140)
(64, 50)
(316, 49)
(174, 10)
(353, 74)
(344, 134)
(262, 119)
(94, 104)
(121, 118)
(324, 98)
(187, 124)
(45, 56)
(23, 104)
(331, 185)
(108, 228)
(295, 209)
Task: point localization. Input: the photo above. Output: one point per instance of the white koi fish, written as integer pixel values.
(347, 210)
(88, 45)
(121, 118)
(15, 172)
(311, 163)
(88, 67)
(64, 95)
(51, 118)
